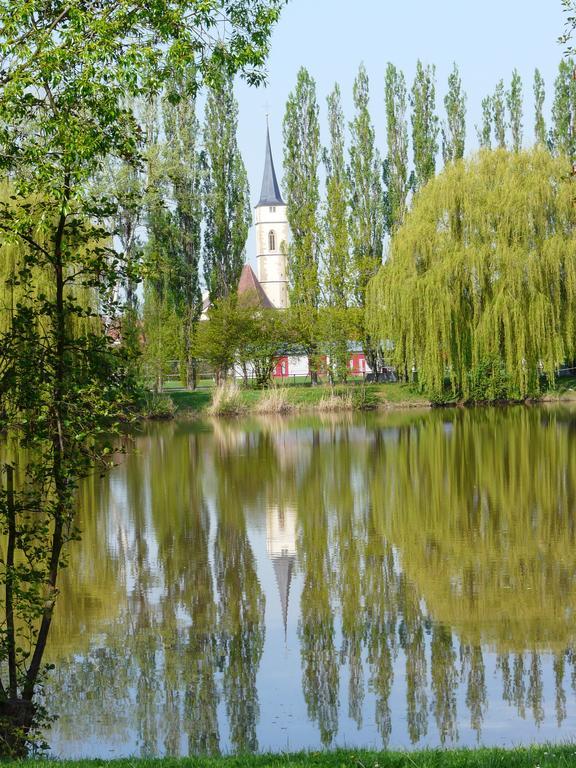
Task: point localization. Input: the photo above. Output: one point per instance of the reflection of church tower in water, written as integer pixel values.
(281, 547)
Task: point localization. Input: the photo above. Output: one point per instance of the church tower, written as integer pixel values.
(272, 235)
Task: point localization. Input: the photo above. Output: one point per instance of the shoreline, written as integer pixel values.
(302, 400)
(543, 756)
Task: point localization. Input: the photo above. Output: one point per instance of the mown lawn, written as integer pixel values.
(191, 401)
(533, 757)
(304, 396)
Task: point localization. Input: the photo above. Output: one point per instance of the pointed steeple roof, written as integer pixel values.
(283, 567)
(270, 194)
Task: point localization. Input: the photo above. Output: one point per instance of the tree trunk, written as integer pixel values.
(59, 448)
(190, 362)
(313, 365)
(371, 355)
(190, 374)
(10, 636)
(16, 720)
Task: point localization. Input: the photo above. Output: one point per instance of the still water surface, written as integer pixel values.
(404, 579)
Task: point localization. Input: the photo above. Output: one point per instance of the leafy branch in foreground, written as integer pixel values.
(569, 7)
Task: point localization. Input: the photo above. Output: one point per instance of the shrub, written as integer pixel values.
(158, 406)
(274, 401)
(227, 400)
(336, 402)
(364, 398)
(489, 381)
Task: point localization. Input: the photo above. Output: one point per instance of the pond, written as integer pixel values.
(402, 579)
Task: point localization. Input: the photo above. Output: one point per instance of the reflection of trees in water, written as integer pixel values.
(380, 605)
(559, 669)
(523, 683)
(241, 609)
(201, 651)
(444, 682)
(165, 633)
(107, 673)
(434, 537)
(380, 592)
(473, 671)
(316, 626)
(349, 544)
(182, 527)
(412, 642)
(480, 506)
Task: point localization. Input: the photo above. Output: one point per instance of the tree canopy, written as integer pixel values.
(70, 73)
(480, 284)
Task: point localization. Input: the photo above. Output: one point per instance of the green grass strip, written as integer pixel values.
(544, 756)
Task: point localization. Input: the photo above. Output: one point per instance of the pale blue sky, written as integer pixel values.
(331, 37)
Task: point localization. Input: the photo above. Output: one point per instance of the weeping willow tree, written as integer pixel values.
(479, 291)
(15, 293)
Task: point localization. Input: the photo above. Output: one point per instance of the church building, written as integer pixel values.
(270, 285)
(271, 223)
(272, 235)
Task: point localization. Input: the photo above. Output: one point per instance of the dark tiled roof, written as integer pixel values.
(250, 290)
(270, 194)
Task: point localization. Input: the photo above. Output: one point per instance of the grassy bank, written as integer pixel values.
(302, 397)
(532, 757)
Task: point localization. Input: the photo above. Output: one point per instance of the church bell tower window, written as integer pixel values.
(271, 240)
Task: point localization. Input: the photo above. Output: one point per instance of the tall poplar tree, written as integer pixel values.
(301, 160)
(514, 104)
(366, 201)
(424, 123)
(564, 110)
(366, 214)
(183, 172)
(159, 313)
(125, 183)
(454, 129)
(499, 114)
(539, 96)
(227, 211)
(485, 130)
(397, 141)
(337, 267)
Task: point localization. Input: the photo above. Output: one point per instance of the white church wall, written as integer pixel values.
(271, 262)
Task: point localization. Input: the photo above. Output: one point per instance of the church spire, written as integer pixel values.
(270, 194)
